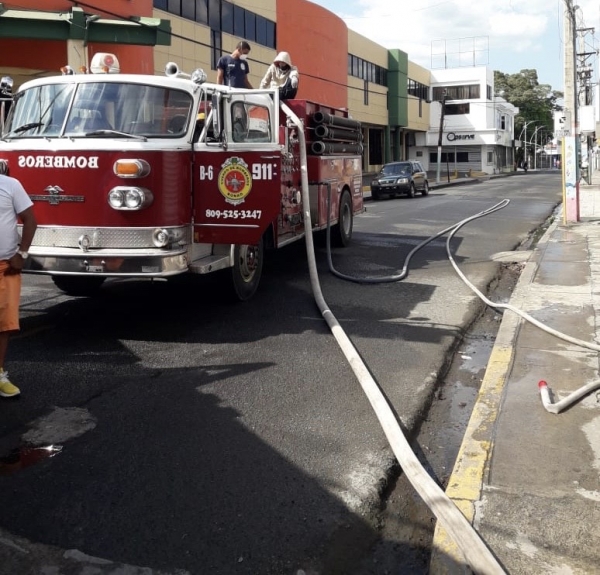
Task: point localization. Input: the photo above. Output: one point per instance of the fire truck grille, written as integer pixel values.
(111, 238)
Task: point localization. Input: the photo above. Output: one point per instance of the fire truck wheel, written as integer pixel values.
(247, 269)
(78, 285)
(342, 232)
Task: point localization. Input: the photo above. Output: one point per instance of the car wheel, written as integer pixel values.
(411, 190)
(375, 195)
(425, 190)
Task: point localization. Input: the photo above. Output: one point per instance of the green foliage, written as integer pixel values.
(536, 102)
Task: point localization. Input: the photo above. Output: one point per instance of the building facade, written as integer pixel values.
(397, 101)
(475, 126)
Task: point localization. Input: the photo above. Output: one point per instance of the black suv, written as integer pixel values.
(400, 178)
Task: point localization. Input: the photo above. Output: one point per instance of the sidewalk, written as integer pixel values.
(527, 479)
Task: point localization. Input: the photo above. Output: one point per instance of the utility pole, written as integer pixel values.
(570, 149)
(439, 150)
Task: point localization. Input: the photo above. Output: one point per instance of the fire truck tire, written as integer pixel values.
(78, 285)
(342, 232)
(247, 270)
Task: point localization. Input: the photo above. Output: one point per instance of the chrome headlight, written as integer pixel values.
(375, 183)
(129, 198)
(402, 181)
(115, 199)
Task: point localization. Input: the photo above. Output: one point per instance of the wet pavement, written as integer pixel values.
(529, 480)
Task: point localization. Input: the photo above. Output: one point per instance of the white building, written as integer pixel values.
(478, 126)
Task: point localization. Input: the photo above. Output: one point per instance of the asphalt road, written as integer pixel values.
(210, 437)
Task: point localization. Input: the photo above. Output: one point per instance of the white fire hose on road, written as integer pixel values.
(479, 558)
(543, 386)
(477, 555)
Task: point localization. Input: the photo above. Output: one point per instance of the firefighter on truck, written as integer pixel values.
(141, 176)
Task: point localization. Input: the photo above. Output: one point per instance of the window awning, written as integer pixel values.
(75, 24)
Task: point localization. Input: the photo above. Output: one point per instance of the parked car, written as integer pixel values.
(400, 178)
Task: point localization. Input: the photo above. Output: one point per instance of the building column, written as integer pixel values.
(77, 55)
(387, 144)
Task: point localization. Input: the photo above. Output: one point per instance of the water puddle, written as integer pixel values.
(26, 456)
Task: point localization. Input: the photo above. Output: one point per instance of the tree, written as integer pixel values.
(535, 101)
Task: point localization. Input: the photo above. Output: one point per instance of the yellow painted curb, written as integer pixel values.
(466, 482)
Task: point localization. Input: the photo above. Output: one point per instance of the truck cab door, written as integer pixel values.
(237, 170)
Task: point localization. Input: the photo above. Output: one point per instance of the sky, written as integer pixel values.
(507, 36)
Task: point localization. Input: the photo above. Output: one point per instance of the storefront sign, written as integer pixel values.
(453, 137)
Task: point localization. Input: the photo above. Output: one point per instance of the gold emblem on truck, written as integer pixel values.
(234, 180)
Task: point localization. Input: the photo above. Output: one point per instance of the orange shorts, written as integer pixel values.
(10, 295)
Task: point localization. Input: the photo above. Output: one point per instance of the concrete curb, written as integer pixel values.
(465, 485)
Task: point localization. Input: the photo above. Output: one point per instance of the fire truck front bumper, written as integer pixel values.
(107, 262)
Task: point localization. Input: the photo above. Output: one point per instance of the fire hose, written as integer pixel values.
(476, 553)
(543, 386)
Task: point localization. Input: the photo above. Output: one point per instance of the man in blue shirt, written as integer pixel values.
(233, 70)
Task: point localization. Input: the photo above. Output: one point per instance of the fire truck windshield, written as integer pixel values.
(90, 109)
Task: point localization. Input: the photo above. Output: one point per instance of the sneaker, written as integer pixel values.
(7, 389)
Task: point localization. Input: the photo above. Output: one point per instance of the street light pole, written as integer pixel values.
(535, 147)
(439, 149)
(525, 130)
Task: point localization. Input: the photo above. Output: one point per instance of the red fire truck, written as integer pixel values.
(150, 177)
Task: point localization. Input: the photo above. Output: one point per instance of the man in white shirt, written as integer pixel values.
(14, 203)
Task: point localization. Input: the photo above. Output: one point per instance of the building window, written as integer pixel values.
(174, 7)
(366, 93)
(368, 71)
(375, 147)
(224, 16)
(467, 92)
(202, 12)
(489, 92)
(417, 89)
(214, 14)
(490, 157)
(239, 16)
(250, 19)
(188, 9)
(261, 30)
(457, 109)
(450, 157)
(216, 47)
(227, 17)
(271, 34)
